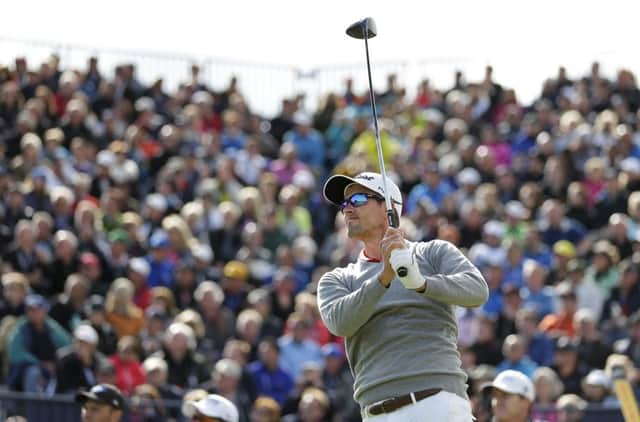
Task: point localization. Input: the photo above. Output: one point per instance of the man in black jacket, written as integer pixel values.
(79, 362)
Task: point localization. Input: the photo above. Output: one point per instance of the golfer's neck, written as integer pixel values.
(372, 249)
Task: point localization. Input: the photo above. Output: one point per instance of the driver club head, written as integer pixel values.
(357, 30)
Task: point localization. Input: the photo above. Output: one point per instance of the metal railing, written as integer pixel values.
(62, 408)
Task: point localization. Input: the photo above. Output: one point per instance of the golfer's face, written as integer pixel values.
(98, 412)
(508, 407)
(362, 219)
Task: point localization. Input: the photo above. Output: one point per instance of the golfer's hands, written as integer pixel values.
(392, 240)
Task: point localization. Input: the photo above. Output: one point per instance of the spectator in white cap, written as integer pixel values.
(308, 141)
(213, 408)
(138, 273)
(512, 394)
(597, 388)
(490, 249)
(79, 361)
(155, 207)
(468, 180)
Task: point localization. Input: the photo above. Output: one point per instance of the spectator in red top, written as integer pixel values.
(129, 371)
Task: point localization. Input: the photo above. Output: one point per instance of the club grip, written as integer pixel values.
(392, 218)
(400, 258)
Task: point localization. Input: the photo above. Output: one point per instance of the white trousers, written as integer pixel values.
(443, 406)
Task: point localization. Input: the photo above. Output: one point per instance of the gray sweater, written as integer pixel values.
(399, 341)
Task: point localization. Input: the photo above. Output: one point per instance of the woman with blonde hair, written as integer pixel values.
(120, 311)
(180, 236)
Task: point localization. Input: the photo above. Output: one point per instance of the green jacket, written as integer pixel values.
(18, 353)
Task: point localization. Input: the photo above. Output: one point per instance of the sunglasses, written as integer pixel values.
(358, 199)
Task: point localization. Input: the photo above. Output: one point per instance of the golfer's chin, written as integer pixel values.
(354, 229)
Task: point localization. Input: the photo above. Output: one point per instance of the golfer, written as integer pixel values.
(401, 334)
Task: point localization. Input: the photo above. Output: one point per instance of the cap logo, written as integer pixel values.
(364, 176)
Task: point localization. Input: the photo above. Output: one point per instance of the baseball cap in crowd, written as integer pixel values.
(102, 393)
(140, 265)
(159, 240)
(564, 248)
(468, 176)
(515, 209)
(118, 235)
(334, 188)
(513, 382)
(36, 301)
(86, 333)
(236, 269)
(333, 350)
(157, 202)
(599, 378)
(214, 406)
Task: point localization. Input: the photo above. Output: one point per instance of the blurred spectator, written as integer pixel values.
(32, 348)
(603, 270)
(120, 311)
(235, 286)
(128, 369)
(297, 348)
(592, 348)
(15, 287)
(265, 409)
(487, 346)
(78, 363)
(95, 315)
(269, 377)
(314, 407)
(156, 373)
(567, 366)
(597, 387)
(68, 307)
(218, 320)
(534, 293)
(146, 405)
(515, 357)
(337, 381)
(225, 381)
(214, 407)
(625, 294)
(186, 365)
(561, 322)
(539, 346)
(571, 408)
(548, 388)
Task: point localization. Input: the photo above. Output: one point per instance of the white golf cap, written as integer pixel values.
(514, 382)
(214, 406)
(469, 176)
(86, 333)
(334, 188)
(515, 209)
(157, 202)
(140, 265)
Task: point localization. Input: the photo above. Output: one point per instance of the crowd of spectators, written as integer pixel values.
(170, 243)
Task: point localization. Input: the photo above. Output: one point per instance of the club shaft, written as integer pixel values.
(387, 198)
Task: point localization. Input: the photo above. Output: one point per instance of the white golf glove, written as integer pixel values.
(404, 258)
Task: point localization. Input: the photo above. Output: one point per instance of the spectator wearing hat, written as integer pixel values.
(563, 252)
(212, 407)
(292, 214)
(146, 404)
(260, 301)
(120, 311)
(516, 221)
(153, 211)
(67, 309)
(597, 388)
(161, 266)
(431, 187)
(512, 394)
(309, 143)
(603, 269)
(203, 263)
(138, 271)
(490, 249)
(235, 286)
(32, 348)
(78, 362)
(568, 366)
(534, 248)
(571, 408)
(588, 294)
(337, 381)
(117, 253)
(511, 304)
(95, 316)
(102, 403)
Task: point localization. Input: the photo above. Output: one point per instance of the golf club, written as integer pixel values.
(365, 29)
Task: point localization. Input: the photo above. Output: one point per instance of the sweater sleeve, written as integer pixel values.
(344, 311)
(17, 352)
(456, 281)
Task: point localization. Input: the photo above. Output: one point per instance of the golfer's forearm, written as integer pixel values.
(456, 280)
(344, 312)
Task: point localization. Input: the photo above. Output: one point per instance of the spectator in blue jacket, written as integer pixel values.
(268, 376)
